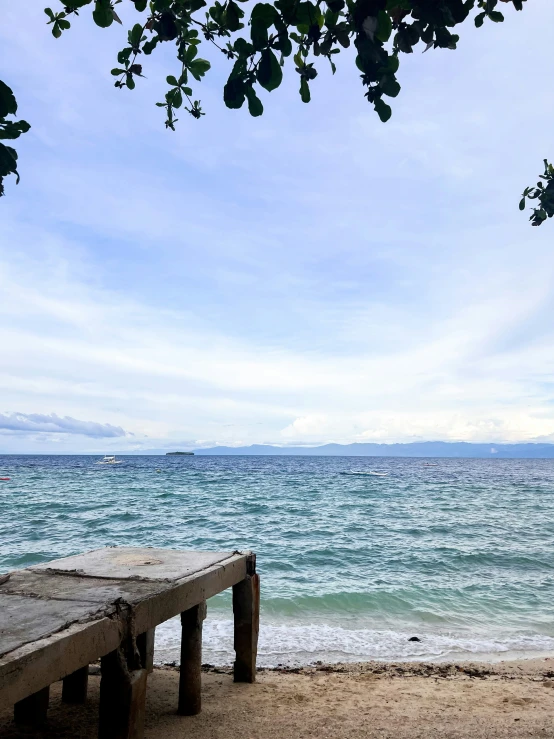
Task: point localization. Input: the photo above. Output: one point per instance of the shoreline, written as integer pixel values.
(525, 666)
(493, 659)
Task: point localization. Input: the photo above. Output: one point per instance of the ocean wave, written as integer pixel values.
(304, 644)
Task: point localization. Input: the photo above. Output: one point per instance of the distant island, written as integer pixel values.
(414, 449)
(179, 454)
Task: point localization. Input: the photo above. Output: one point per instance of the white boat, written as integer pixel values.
(378, 474)
(109, 459)
(363, 472)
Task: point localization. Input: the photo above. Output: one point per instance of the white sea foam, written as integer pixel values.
(303, 644)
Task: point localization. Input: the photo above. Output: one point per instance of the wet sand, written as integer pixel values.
(410, 700)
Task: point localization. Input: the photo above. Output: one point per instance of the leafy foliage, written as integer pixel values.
(306, 30)
(9, 129)
(544, 193)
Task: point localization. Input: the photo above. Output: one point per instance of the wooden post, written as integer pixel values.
(122, 697)
(190, 697)
(75, 686)
(145, 645)
(246, 611)
(31, 711)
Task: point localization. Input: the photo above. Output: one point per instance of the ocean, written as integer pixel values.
(460, 555)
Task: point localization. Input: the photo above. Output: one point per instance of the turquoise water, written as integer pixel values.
(460, 555)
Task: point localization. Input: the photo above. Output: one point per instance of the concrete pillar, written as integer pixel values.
(31, 711)
(145, 645)
(246, 611)
(75, 686)
(122, 697)
(190, 698)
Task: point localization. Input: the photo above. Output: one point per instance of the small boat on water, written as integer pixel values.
(109, 459)
(373, 473)
(430, 464)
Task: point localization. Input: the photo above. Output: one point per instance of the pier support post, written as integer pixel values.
(31, 711)
(145, 645)
(75, 686)
(246, 611)
(190, 678)
(122, 696)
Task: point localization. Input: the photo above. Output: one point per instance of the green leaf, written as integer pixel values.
(270, 73)
(233, 16)
(171, 80)
(255, 106)
(233, 93)
(383, 110)
(13, 130)
(166, 26)
(384, 26)
(344, 40)
(242, 47)
(130, 82)
(102, 13)
(50, 14)
(480, 19)
(56, 31)
(190, 53)
(263, 17)
(135, 35)
(8, 161)
(306, 14)
(258, 35)
(264, 13)
(140, 5)
(496, 16)
(304, 91)
(522, 204)
(198, 68)
(331, 18)
(389, 86)
(8, 104)
(149, 46)
(124, 55)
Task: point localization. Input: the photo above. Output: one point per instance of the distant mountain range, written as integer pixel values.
(414, 449)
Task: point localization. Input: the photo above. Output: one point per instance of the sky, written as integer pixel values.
(309, 276)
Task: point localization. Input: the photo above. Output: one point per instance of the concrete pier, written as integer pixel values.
(57, 618)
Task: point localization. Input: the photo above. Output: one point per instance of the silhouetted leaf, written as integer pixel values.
(270, 73)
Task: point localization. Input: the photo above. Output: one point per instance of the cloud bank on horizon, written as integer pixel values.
(310, 276)
(40, 423)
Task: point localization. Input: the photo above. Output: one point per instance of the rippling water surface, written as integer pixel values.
(460, 555)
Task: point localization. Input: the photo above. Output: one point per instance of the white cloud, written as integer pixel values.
(314, 426)
(52, 424)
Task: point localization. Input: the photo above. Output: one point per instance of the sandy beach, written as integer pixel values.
(412, 700)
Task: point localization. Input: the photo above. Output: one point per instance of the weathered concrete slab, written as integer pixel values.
(68, 586)
(188, 592)
(38, 664)
(24, 620)
(135, 562)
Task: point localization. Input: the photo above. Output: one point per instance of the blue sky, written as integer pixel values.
(309, 276)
